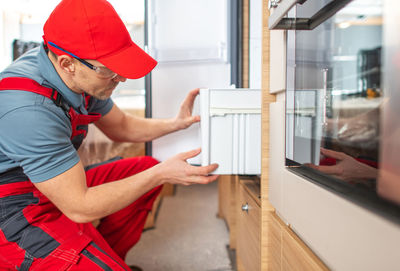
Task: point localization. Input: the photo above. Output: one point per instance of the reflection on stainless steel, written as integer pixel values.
(337, 102)
(372, 71)
(389, 177)
(363, 129)
(324, 94)
(321, 115)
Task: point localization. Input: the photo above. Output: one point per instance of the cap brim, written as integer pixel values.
(132, 62)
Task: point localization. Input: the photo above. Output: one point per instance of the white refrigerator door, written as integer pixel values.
(188, 38)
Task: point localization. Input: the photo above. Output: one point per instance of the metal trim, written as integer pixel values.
(147, 78)
(279, 22)
(280, 11)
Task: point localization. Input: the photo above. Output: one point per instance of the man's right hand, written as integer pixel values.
(177, 170)
(347, 168)
(82, 204)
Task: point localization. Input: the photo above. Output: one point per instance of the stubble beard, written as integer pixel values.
(105, 93)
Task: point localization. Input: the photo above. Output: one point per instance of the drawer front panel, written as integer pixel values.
(231, 130)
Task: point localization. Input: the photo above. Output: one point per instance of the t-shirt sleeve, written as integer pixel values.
(38, 139)
(101, 106)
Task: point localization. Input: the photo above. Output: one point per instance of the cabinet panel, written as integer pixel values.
(249, 231)
(297, 256)
(224, 196)
(231, 130)
(286, 251)
(277, 61)
(227, 208)
(274, 243)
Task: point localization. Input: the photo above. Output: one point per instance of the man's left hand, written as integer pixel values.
(184, 119)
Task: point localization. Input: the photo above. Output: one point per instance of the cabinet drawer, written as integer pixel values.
(231, 130)
(249, 231)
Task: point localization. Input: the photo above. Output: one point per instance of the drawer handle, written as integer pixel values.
(245, 207)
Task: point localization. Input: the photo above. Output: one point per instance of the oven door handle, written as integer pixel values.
(277, 19)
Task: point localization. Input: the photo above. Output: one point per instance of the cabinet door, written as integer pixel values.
(231, 130)
(287, 251)
(249, 231)
(297, 256)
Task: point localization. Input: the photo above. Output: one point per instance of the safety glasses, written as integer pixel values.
(101, 71)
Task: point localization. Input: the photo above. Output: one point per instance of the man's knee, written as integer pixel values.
(131, 166)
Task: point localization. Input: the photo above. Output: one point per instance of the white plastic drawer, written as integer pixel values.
(231, 130)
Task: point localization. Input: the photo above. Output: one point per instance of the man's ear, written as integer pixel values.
(66, 63)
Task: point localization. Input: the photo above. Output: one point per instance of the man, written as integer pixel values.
(47, 98)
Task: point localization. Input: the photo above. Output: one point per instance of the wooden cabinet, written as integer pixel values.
(249, 225)
(227, 204)
(261, 239)
(287, 251)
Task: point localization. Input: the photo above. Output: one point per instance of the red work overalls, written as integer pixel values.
(35, 235)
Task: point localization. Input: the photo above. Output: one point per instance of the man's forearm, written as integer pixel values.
(103, 200)
(122, 127)
(68, 191)
(145, 130)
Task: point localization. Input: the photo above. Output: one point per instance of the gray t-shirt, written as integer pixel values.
(34, 132)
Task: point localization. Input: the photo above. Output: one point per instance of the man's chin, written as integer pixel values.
(104, 95)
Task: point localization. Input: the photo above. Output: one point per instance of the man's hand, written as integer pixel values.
(347, 168)
(184, 119)
(82, 204)
(122, 127)
(177, 171)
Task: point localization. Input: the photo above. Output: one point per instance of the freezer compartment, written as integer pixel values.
(231, 130)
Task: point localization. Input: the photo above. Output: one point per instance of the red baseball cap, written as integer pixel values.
(92, 29)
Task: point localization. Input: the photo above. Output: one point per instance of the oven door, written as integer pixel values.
(335, 95)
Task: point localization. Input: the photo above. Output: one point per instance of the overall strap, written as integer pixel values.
(27, 84)
(79, 122)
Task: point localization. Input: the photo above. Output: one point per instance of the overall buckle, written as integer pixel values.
(57, 99)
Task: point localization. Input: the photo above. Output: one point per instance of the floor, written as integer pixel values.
(188, 235)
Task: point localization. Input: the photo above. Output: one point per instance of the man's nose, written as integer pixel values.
(119, 78)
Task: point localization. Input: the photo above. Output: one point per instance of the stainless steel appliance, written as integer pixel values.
(342, 101)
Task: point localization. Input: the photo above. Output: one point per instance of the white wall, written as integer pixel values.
(21, 19)
(24, 19)
(255, 44)
(9, 29)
